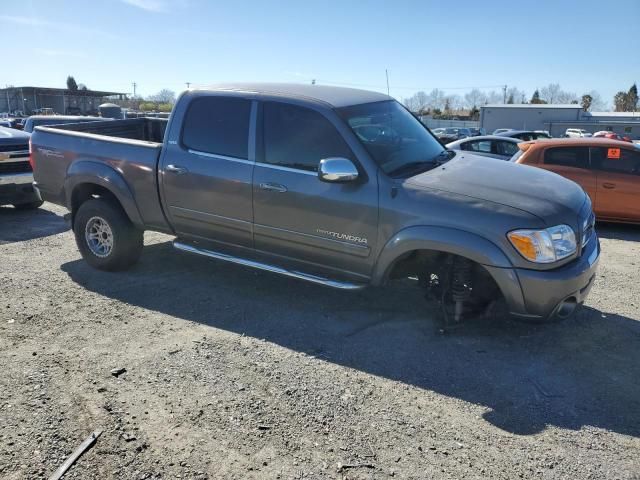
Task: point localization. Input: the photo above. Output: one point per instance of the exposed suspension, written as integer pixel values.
(461, 286)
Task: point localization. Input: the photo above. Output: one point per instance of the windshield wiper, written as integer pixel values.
(413, 168)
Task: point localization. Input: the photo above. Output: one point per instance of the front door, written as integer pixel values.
(331, 226)
(206, 174)
(618, 171)
(572, 162)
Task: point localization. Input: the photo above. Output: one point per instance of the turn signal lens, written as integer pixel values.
(524, 245)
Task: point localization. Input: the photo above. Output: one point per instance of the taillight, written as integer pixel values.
(31, 156)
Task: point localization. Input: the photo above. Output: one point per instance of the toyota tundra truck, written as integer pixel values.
(339, 187)
(16, 178)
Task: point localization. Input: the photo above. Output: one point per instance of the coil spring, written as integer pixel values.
(461, 280)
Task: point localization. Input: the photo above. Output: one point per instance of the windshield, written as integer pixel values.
(397, 141)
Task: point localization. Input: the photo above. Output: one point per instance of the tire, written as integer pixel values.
(105, 236)
(28, 206)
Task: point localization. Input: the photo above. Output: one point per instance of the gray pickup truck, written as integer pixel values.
(16, 177)
(341, 187)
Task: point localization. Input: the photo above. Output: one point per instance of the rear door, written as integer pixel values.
(618, 183)
(572, 162)
(207, 167)
(329, 225)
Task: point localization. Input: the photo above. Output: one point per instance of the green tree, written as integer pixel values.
(535, 98)
(71, 84)
(620, 101)
(632, 99)
(510, 99)
(586, 102)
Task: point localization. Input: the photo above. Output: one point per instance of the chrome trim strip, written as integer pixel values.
(16, 178)
(221, 157)
(286, 169)
(269, 268)
(198, 216)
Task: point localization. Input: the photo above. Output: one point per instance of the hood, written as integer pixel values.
(11, 136)
(548, 196)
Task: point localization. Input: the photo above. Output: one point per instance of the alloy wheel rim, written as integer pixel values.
(99, 237)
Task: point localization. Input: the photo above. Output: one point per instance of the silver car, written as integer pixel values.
(493, 146)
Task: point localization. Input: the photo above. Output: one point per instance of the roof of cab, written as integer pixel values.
(335, 97)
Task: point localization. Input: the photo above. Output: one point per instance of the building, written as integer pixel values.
(557, 118)
(28, 100)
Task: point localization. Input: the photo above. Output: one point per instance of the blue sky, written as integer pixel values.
(583, 45)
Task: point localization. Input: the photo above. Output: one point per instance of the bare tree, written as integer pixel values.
(163, 96)
(516, 95)
(494, 97)
(566, 97)
(436, 99)
(550, 93)
(597, 103)
(475, 98)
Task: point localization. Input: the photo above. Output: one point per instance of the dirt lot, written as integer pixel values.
(232, 373)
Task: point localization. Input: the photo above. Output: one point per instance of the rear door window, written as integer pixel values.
(617, 160)
(577, 157)
(506, 148)
(483, 146)
(298, 137)
(218, 125)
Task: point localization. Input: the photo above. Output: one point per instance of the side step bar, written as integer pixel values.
(269, 268)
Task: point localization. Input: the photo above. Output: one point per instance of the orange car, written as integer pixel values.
(608, 170)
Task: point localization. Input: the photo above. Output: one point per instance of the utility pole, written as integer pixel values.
(504, 94)
(188, 84)
(386, 72)
(134, 88)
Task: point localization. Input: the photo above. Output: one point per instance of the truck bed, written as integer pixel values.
(144, 129)
(121, 151)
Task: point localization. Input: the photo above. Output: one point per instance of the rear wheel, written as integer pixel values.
(28, 206)
(105, 236)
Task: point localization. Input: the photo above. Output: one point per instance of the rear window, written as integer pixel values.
(218, 125)
(577, 157)
(618, 160)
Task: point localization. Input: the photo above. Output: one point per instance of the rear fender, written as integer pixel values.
(96, 173)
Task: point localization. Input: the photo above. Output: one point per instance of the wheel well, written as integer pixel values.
(87, 191)
(422, 263)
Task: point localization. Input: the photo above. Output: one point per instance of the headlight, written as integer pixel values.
(544, 246)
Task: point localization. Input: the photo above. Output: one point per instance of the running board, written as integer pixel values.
(269, 268)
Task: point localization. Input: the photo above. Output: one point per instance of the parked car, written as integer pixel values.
(38, 120)
(498, 131)
(492, 146)
(16, 176)
(452, 134)
(476, 132)
(612, 136)
(576, 133)
(608, 170)
(526, 135)
(339, 187)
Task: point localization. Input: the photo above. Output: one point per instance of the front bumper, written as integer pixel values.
(17, 188)
(542, 294)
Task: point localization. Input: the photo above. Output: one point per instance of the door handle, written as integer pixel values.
(609, 185)
(273, 187)
(176, 169)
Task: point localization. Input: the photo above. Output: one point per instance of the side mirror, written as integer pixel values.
(337, 170)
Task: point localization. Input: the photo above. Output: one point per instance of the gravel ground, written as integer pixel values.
(232, 373)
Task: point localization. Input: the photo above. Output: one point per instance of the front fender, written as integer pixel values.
(97, 173)
(441, 239)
